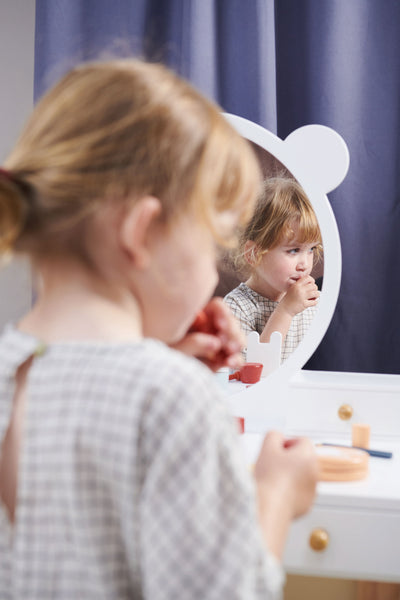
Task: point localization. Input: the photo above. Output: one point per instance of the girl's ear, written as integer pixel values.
(250, 255)
(134, 230)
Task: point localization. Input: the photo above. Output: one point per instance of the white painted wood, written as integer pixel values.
(267, 353)
(315, 397)
(363, 544)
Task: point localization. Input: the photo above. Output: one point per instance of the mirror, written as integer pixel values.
(234, 270)
(318, 158)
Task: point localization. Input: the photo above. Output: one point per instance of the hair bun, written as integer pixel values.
(14, 208)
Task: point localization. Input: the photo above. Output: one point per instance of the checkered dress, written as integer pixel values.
(131, 483)
(253, 311)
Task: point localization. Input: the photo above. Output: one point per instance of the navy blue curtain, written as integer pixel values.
(283, 64)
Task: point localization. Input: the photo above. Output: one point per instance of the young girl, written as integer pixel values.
(278, 247)
(121, 475)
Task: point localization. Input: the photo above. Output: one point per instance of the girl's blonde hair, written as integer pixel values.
(283, 211)
(118, 130)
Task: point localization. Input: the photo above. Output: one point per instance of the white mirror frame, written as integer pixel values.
(318, 158)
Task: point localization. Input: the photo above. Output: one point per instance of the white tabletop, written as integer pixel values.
(380, 489)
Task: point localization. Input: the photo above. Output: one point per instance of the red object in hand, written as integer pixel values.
(249, 373)
(202, 323)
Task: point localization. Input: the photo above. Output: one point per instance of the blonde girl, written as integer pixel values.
(120, 470)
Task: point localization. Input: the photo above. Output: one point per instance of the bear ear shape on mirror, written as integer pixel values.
(320, 155)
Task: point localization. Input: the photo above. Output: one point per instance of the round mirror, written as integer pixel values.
(317, 157)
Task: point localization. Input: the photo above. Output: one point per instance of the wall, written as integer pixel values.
(17, 34)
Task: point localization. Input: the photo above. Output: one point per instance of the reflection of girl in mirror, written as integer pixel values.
(278, 247)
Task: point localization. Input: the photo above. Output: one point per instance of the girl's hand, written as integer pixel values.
(286, 474)
(300, 295)
(214, 337)
(289, 465)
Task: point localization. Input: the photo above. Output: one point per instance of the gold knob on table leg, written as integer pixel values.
(345, 412)
(319, 540)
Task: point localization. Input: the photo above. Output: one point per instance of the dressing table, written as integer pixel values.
(353, 528)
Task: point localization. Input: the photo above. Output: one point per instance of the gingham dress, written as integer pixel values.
(253, 311)
(131, 484)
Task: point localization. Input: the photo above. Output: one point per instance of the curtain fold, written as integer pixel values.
(282, 64)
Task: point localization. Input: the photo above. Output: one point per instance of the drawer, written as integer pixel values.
(315, 400)
(362, 544)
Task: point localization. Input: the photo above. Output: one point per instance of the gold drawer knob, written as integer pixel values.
(319, 540)
(345, 412)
